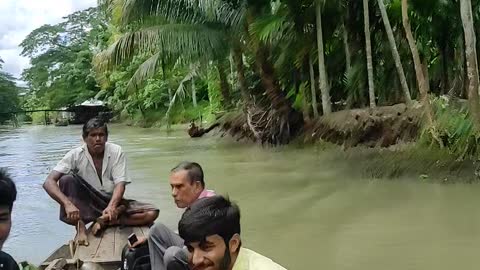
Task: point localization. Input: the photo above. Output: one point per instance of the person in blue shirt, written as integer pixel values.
(8, 194)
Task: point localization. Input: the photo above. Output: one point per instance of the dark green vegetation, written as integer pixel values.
(272, 71)
(61, 55)
(9, 100)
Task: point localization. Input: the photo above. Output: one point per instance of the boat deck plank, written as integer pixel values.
(107, 248)
(88, 253)
(121, 234)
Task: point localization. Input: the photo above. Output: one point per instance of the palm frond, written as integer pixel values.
(190, 41)
(181, 90)
(354, 82)
(185, 11)
(273, 28)
(145, 71)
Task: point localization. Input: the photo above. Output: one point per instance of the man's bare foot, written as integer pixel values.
(81, 238)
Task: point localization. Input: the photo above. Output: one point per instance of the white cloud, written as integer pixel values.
(19, 17)
(14, 64)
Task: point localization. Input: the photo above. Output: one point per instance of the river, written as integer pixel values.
(298, 206)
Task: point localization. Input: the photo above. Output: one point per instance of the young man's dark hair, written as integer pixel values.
(93, 124)
(210, 216)
(194, 170)
(8, 190)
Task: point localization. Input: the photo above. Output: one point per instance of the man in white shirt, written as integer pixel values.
(89, 184)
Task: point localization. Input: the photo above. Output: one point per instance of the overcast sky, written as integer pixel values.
(19, 17)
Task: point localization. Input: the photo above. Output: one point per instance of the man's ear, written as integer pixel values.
(235, 243)
(198, 185)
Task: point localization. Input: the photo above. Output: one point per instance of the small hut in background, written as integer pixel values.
(90, 109)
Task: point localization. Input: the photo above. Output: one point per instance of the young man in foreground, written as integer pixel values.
(8, 194)
(210, 228)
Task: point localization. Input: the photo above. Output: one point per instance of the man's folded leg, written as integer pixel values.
(89, 201)
(176, 258)
(160, 239)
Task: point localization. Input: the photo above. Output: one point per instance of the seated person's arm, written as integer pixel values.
(117, 197)
(52, 188)
(118, 193)
(120, 179)
(64, 166)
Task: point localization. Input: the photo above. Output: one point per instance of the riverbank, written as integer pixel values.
(387, 144)
(415, 160)
(382, 144)
(408, 161)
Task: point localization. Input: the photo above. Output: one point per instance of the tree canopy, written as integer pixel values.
(282, 63)
(61, 58)
(9, 100)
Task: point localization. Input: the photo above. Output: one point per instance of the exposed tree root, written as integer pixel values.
(265, 126)
(382, 127)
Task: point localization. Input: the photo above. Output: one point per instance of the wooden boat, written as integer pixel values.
(62, 123)
(102, 253)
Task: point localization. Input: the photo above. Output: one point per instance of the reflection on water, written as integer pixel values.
(298, 207)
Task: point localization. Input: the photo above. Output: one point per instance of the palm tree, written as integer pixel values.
(419, 68)
(237, 56)
(323, 79)
(192, 31)
(167, 34)
(471, 57)
(313, 87)
(181, 90)
(194, 94)
(368, 51)
(348, 54)
(263, 64)
(224, 86)
(395, 54)
(214, 17)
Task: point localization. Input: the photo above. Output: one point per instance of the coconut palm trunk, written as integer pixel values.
(238, 59)
(419, 70)
(368, 52)
(348, 55)
(164, 77)
(471, 58)
(313, 87)
(323, 80)
(224, 86)
(267, 76)
(194, 93)
(232, 76)
(266, 70)
(395, 54)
